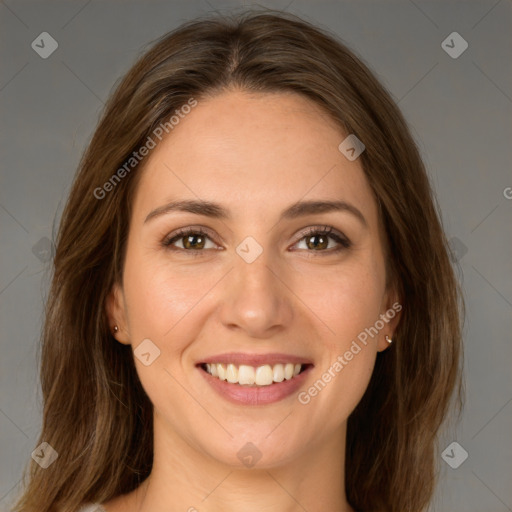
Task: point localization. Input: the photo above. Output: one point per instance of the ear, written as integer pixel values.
(390, 315)
(116, 313)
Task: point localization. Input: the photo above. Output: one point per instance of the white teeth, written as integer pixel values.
(221, 370)
(264, 375)
(249, 375)
(232, 373)
(246, 374)
(278, 373)
(288, 371)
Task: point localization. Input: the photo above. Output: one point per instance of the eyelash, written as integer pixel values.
(344, 243)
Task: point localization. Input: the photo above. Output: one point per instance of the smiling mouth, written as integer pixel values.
(256, 376)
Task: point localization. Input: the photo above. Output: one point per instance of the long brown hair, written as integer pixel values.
(96, 414)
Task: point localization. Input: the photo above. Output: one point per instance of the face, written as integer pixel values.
(257, 280)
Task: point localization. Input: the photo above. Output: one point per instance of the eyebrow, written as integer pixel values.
(217, 211)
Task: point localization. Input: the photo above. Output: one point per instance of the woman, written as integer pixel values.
(253, 306)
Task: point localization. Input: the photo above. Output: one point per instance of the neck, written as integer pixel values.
(185, 479)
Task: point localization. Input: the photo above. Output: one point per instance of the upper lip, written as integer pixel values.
(239, 358)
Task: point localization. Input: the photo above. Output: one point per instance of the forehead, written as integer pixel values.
(255, 152)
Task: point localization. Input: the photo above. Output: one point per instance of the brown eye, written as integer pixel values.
(190, 239)
(193, 241)
(318, 240)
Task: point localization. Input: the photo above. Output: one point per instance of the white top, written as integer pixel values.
(92, 507)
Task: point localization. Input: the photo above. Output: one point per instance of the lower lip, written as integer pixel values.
(256, 395)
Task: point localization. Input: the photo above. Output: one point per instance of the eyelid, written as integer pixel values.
(342, 240)
(329, 231)
(181, 232)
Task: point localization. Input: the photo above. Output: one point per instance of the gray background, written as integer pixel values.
(459, 111)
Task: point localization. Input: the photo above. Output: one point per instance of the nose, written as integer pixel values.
(256, 298)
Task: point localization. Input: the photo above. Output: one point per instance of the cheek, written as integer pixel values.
(346, 299)
(157, 296)
(336, 393)
(159, 302)
(348, 305)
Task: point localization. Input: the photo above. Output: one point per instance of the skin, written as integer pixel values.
(256, 154)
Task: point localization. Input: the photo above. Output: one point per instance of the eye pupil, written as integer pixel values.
(321, 244)
(188, 241)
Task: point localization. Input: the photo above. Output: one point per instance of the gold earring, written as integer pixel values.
(388, 339)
